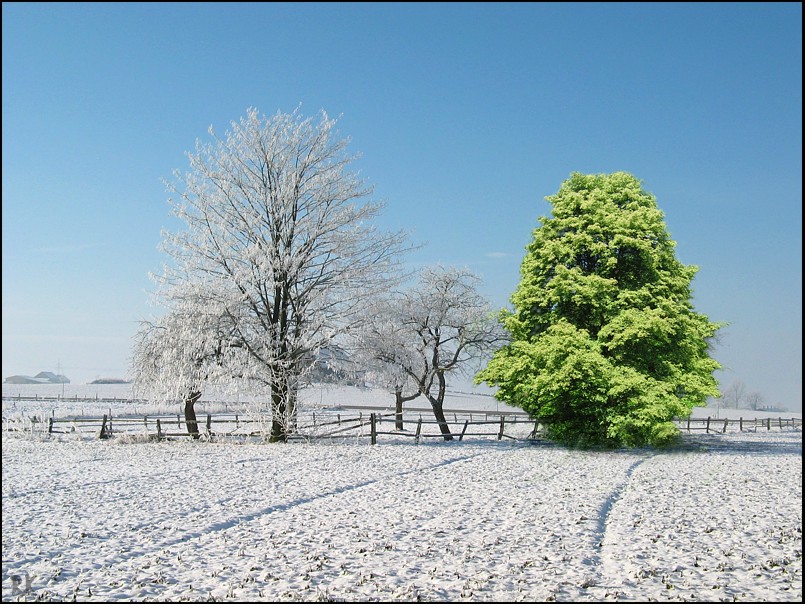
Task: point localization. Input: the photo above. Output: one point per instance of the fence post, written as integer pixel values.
(724, 430)
(707, 427)
(781, 422)
(502, 420)
(209, 424)
(740, 424)
(688, 423)
(373, 428)
(768, 423)
(50, 426)
(418, 429)
(102, 433)
(159, 430)
(466, 421)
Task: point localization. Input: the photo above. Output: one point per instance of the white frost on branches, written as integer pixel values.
(278, 247)
(439, 326)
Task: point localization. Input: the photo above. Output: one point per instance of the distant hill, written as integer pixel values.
(110, 381)
(43, 377)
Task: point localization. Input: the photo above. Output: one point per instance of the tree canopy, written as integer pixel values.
(420, 337)
(606, 347)
(277, 259)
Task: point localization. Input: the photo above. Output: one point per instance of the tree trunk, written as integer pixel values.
(399, 399)
(438, 407)
(190, 414)
(279, 424)
(284, 404)
(398, 411)
(438, 413)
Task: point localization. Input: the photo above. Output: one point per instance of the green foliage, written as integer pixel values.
(605, 346)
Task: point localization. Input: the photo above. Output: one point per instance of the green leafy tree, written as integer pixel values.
(605, 347)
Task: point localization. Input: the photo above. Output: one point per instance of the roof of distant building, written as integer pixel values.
(43, 377)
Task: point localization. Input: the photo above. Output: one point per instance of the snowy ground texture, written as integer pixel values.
(717, 519)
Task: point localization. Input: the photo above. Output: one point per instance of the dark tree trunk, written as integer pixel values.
(438, 413)
(399, 399)
(284, 405)
(279, 425)
(438, 408)
(190, 414)
(278, 433)
(398, 411)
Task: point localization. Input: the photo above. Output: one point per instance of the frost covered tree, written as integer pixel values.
(734, 394)
(434, 329)
(177, 355)
(279, 242)
(606, 348)
(383, 348)
(754, 400)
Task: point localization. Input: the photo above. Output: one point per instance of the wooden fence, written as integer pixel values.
(157, 426)
(711, 424)
(328, 424)
(311, 426)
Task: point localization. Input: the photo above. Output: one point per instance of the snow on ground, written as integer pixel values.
(717, 518)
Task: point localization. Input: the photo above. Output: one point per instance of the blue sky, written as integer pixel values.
(466, 115)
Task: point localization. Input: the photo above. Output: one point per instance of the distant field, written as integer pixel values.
(467, 398)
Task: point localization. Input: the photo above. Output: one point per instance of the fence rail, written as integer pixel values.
(712, 424)
(331, 423)
(75, 398)
(312, 426)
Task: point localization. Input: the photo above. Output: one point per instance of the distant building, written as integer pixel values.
(43, 377)
(775, 408)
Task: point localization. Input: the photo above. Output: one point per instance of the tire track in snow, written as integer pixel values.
(234, 521)
(283, 507)
(608, 571)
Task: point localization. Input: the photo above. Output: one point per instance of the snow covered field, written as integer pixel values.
(718, 518)
(78, 399)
